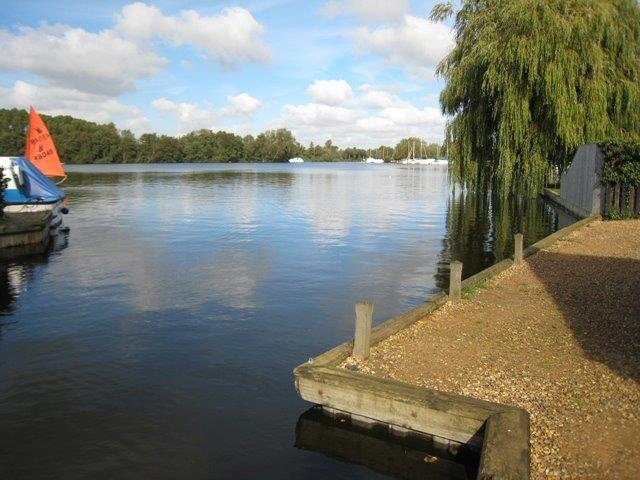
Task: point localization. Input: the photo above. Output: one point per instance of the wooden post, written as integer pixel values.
(362, 339)
(455, 281)
(518, 241)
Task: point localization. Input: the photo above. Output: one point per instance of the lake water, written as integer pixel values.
(160, 342)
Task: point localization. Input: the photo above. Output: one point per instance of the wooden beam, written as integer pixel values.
(454, 417)
(362, 339)
(518, 242)
(505, 449)
(455, 281)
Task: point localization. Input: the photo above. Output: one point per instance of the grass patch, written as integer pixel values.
(471, 289)
(524, 288)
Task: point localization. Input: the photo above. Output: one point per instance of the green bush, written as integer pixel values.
(621, 162)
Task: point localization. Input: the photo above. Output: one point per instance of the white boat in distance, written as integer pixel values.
(296, 160)
(412, 160)
(373, 160)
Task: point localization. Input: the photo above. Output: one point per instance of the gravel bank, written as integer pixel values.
(558, 336)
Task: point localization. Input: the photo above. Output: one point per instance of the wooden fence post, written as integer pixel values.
(362, 339)
(455, 281)
(518, 241)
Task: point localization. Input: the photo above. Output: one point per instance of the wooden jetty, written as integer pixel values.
(499, 432)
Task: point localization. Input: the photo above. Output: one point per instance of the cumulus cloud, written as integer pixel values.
(366, 9)
(230, 38)
(375, 97)
(54, 100)
(241, 104)
(317, 114)
(188, 115)
(373, 117)
(83, 72)
(330, 92)
(416, 44)
(100, 63)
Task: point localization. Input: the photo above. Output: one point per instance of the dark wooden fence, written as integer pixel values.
(622, 198)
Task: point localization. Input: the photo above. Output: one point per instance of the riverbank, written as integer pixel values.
(557, 336)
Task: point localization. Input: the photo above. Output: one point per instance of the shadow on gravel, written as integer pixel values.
(600, 298)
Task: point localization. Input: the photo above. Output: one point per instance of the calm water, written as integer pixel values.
(160, 342)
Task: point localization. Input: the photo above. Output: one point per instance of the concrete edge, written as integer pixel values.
(569, 207)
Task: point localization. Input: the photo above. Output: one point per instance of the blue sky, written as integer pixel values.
(360, 72)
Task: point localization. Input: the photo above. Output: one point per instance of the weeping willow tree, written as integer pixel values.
(528, 81)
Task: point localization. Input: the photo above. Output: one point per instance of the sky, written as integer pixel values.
(358, 72)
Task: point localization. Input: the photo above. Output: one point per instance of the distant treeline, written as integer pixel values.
(80, 141)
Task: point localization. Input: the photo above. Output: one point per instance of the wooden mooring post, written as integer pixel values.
(362, 338)
(518, 241)
(455, 281)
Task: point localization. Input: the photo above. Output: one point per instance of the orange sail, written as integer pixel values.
(40, 149)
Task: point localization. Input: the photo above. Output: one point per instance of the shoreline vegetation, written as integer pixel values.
(572, 308)
(83, 142)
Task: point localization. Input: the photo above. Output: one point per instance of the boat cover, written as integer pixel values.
(35, 188)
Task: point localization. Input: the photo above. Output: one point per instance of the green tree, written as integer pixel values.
(13, 125)
(528, 81)
(128, 147)
(276, 146)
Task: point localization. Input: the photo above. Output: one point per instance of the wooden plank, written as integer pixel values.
(455, 281)
(424, 410)
(505, 449)
(362, 338)
(554, 237)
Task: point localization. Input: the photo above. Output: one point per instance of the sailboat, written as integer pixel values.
(29, 187)
(371, 159)
(40, 150)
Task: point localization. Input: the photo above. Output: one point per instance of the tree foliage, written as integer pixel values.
(528, 81)
(80, 141)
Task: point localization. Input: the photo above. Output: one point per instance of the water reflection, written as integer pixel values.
(19, 267)
(160, 344)
(481, 226)
(409, 457)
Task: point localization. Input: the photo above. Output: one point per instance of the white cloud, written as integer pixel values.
(410, 115)
(366, 9)
(101, 63)
(376, 97)
(317, 114)
(241, 104)
(54, 100)
(417, 44)
(394, 119)
(230, 38)
(330, 92)
(188, 115)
